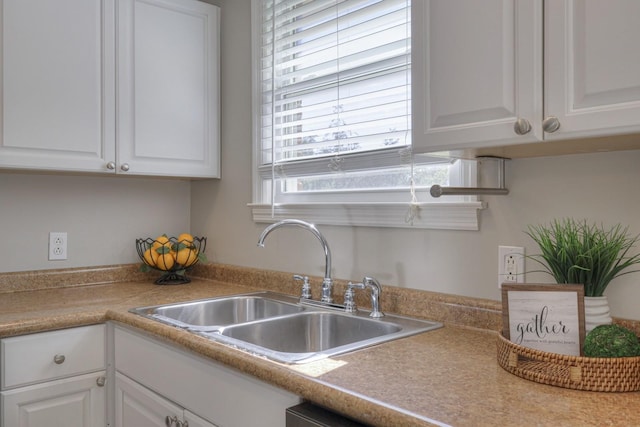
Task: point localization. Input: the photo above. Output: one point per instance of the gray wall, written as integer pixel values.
(103, 215)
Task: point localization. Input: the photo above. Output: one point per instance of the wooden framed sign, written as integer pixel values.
(544, 317)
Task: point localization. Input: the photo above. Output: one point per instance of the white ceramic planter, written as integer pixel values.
(596, 312)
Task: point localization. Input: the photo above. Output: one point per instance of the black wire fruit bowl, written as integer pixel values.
(172, 256)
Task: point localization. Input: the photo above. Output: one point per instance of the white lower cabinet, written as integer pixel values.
(140, 407)
(54, 379)
(155, 380)
(192, 420)
(70, 402)
(65, 378)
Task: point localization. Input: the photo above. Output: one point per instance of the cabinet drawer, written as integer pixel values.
(44, 356)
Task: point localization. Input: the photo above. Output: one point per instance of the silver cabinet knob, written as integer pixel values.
(101, 381)
(124, 167)
(551, 124)
(522, 127)
(111, 165)
(58, 359)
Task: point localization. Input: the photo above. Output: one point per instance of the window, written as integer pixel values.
(332, 107)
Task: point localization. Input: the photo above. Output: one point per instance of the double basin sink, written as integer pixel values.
(281, 328)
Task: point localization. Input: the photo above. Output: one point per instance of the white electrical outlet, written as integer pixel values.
(57, 246)
(510, 265)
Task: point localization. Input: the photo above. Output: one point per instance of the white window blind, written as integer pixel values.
(334, 104)
(336, 81)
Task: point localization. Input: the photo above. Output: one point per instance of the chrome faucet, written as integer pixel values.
(367, 283)
(327, 283)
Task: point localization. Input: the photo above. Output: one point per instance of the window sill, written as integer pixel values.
(440, 216)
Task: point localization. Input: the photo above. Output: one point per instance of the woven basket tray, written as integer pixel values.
(614, 374)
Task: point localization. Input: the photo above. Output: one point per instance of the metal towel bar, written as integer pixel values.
(437, 190)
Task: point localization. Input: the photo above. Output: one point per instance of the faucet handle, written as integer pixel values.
(349, 302)
(375, 288)
(306, 287)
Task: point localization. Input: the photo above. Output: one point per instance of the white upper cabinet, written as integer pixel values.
(77, 95)
(167, 88)
(592, 73)
(477, 71)
(58, 84)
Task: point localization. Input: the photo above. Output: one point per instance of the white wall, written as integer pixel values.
(102, 216)
(601, 187)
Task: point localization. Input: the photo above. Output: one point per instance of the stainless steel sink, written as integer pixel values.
(281, 328)
(302, 336)
(211, 314)
(317, 334)
(309, 332)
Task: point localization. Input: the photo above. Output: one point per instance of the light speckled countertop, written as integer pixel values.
(445, 377)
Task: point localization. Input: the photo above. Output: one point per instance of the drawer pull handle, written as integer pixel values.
(59, 359)
(100, 382)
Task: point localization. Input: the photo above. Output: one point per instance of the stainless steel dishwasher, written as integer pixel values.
(309, 415)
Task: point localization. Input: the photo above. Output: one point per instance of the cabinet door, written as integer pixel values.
(58, 96)
(196, 421)
(140, 407)
(168, 88)
(476, 70)
(71, 402)
(592, 66)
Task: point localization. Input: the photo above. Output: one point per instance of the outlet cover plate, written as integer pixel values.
(57, 246)
(510, 265)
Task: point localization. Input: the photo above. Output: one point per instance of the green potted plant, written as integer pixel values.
(581, 253)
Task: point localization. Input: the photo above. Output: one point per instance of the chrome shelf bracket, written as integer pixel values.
(437, 190)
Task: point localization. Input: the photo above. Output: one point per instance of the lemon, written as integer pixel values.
(187, 257)
(183, 255)
(193, 259)
(161, 241)
(186, 239)
(165, 261)
(150, 257)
